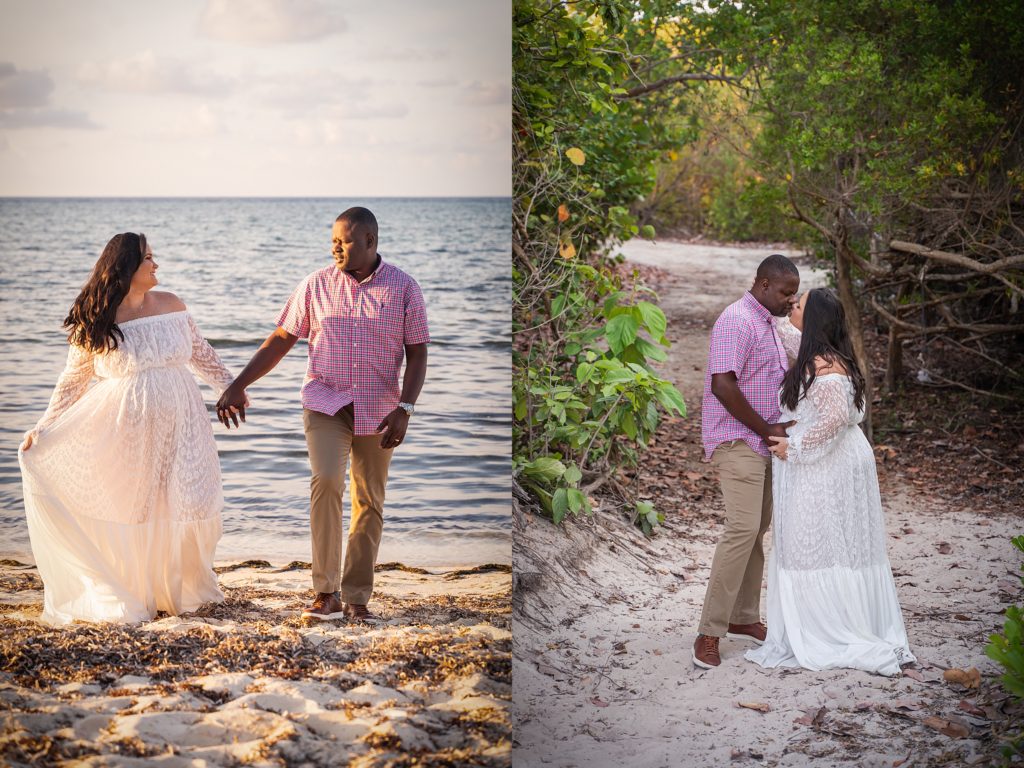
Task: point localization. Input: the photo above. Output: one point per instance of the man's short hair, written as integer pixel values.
(359, 217)
(775, 266)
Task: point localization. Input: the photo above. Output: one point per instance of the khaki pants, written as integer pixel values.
(331, 443)
(734, 589)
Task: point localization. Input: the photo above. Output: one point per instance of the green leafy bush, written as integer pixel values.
(1008, 649)
(586, 399)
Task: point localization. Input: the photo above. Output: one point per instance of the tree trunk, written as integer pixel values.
(894, 365)
(844, 281)
(894, 362)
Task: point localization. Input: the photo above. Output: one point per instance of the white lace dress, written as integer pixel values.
(122, 484)
(831, 597)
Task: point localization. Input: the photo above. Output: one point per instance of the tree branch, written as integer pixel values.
(956, 258)
(657, 85)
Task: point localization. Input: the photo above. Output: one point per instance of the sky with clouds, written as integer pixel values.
(255, 98)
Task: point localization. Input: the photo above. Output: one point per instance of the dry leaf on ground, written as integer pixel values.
(969, 678)
(952, 727)
(812, 718)
(971, 708)
(910, 704)
(760, 706)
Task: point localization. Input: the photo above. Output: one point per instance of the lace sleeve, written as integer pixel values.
(205, 362)
(71, 385)
(790, 338)
(833, 415)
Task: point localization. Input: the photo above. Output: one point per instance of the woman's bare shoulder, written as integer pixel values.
(167, 301)
(822, 366)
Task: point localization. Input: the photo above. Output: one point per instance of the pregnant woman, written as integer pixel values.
(831, 597)
(121, 479)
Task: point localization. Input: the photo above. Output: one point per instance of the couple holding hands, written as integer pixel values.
(121, 477)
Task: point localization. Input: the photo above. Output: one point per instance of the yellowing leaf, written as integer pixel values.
(969, 678)
(563, 212)
(567, 250)
(576, 156)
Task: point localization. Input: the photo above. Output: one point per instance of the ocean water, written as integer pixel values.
(234, 262)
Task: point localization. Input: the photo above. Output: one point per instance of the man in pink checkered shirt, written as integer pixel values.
(361, 316)
(746, 363)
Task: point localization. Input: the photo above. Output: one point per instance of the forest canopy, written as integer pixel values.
(885, 137)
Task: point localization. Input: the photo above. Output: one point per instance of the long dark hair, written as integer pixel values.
(90, 322)
(824, 335)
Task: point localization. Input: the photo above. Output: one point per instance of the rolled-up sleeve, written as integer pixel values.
(416, 330)
(294, 317)
(730, 347)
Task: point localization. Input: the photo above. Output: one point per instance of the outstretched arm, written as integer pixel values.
(205, 361)
(231, 404)
(71, 385)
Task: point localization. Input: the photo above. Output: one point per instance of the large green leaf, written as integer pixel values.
(671, 398)
(620, 332)
(653, 318)
(559, 504)
(545, 469)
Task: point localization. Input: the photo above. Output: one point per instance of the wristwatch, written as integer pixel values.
(409, 408)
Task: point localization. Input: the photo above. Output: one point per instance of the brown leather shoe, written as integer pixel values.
(326, 606)
(359, 612)
(756, 632)
(705, 652)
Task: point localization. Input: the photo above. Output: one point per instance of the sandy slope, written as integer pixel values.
(250, 682)
(604, 620)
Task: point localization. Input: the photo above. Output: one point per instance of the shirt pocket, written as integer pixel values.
(386, 328)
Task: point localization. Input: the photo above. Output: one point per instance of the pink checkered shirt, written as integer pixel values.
(745, 342)
(357, 332)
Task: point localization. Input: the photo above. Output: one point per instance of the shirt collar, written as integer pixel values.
(758, 307)
(377, 268)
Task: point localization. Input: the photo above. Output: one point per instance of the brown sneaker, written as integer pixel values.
(359, 612)
(756, 632)
(705, 652)
(326, 606)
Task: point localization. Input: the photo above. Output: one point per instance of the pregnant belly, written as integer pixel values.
(155, 396)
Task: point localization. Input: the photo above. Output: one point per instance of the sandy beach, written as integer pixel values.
(605, 619)
(250, 682)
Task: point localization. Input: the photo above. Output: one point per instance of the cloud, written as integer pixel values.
(269, 22)
(25, 101)
(441, 82)
(301, 92)
(148, 73)
(369, 111)
(325, 95)
(493, 131)
(20, 89)
(408, 54)
(479, 94)
(45, 118)
(199, 123)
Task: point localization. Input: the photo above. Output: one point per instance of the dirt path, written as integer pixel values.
(604, 619)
